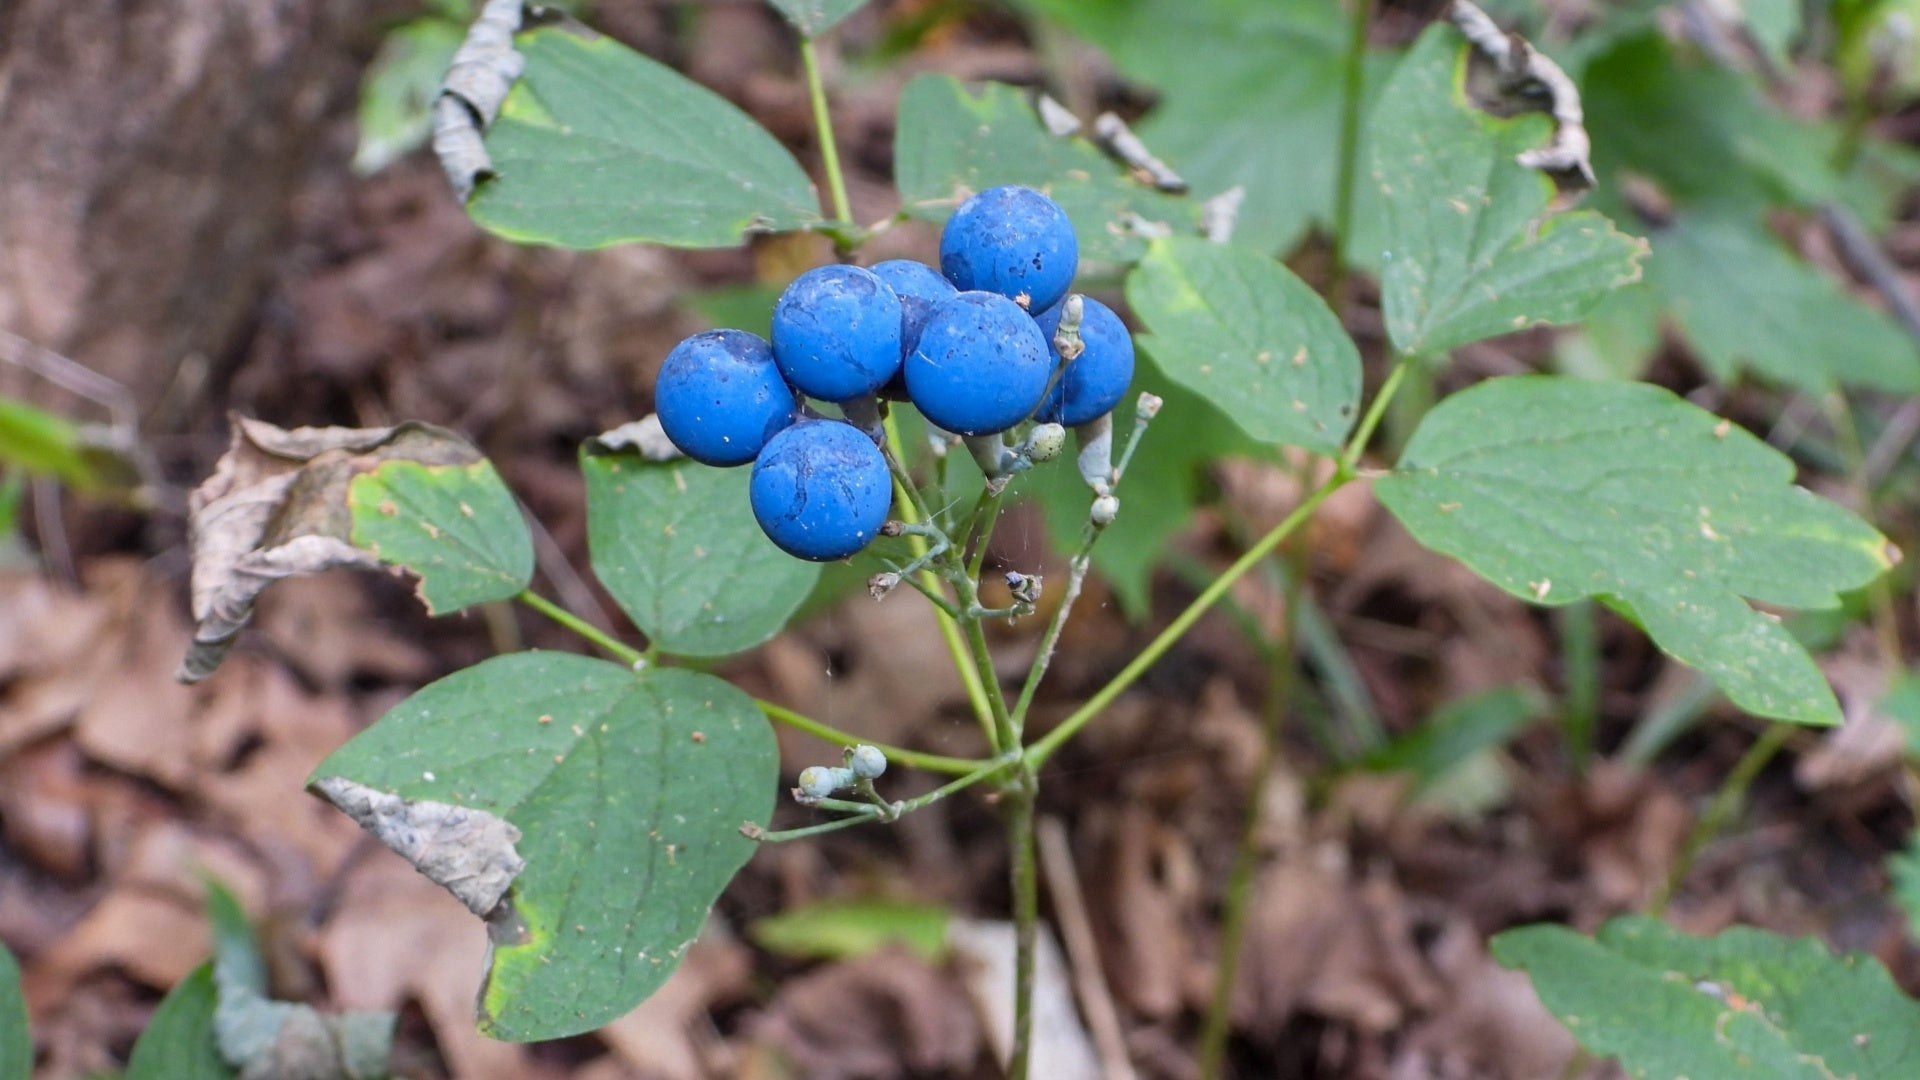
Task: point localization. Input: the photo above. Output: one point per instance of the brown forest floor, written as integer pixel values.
(1366, 954)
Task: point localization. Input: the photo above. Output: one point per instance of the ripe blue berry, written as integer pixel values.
(820, 490)
(981, 365)
(1013, 241)
(1094, 382)
(920, 289)
(836, 333)
(720, 397)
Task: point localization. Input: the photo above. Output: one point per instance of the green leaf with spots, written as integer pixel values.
(677, 546)
(16, 1041)
(1242, 331)
(455, 526)
(599, 145)
(1739, 1005)
(814, 17)
(628, 790)
(952, 142)
(1471, 249)
(179, 1042)
(1556, 489)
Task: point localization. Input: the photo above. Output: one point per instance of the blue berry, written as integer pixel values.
(820, 490)
(1013, 241)
(720, 397)
(1094, 382)
(981, 365)
(920, 288)
(836, 333)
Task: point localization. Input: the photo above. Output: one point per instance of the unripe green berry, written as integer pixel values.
(818, 782)
(867, 762)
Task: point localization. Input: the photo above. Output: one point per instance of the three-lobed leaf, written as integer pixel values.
(677, 546)
(629, 789)
(952, 142)
(1472, 251)
(455, 526)
(1556, 489)
(1742, 1004)
(1244, 332)
(599, 145)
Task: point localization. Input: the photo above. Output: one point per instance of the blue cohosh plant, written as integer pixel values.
(591, 810)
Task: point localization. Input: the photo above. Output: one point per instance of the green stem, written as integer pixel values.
(1026, 914)
(939, 763)
(908, 499)
(1246, 857)
(1360, 21)
(1880, 600)
(1726, 802)
(1357, 443)
(1006, 736)
(1043, 748)
(862, 813)
(585, 629)
(1580, 669)
(823, 122)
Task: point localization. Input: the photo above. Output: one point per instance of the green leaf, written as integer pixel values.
(1556, 489)
(456, 526)
(16, 1039)
(1456, 732)
(1472, 251)
(814, 17)
(951, 142)
(41, 442)
(1742, 1004)
(844, 929)
(598, 145)
(179, 1042)
(1901, 704)
(629, 790)
(399, 88)
(1249, 94)
(677, 546)
(1242, 331)
(1746, 304)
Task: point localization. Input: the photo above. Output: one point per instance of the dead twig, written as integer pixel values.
(1524, 72)
(1090, 985)
(484, 69)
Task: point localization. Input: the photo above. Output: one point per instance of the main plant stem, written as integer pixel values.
(1017, 812)
(1354, 86)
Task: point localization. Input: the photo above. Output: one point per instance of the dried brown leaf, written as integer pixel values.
(467, 850)
(275, 506)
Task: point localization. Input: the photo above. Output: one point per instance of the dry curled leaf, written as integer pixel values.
(275, 506)
(467, 850)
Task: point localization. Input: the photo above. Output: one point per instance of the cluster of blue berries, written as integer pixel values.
(974, 347)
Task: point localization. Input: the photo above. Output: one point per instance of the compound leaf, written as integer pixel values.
(16, 1041)
(1472, 251)
(1745, 303)
(1744, 1003)
(1556, 489)
(456, 526)
(951, 142)
(814, 17)
(1258, 343)
(677, 546)
(599, 145)
(179, 1042)
(628, 789)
